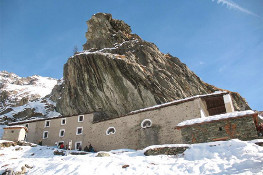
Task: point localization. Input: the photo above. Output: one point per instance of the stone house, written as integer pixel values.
(15, 133)
(241, 125)
(136, 130)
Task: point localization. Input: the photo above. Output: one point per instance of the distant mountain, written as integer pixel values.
(25, 97)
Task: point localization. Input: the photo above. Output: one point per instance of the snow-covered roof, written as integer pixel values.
(215, 117)
(16, 127)
(178, 101)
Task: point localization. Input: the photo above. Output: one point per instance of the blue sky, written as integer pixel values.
(220, 40)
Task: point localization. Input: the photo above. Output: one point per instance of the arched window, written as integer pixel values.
(110, 130)
(146, 123)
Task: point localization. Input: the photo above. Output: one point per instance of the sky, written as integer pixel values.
(220, 40)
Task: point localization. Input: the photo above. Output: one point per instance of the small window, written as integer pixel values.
(80, 118)
(220, 129)
(62, 133)
(45, 134)
(47, 123)
(63, 121)
(12, 131)
(78, 145)
(110, 130)
(146, 123)
(79, 130)
(27, 125)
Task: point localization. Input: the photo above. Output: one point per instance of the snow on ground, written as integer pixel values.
(224, 157)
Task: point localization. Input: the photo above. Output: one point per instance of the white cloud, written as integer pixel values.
(232, 5)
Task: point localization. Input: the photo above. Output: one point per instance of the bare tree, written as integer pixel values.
(75, 50)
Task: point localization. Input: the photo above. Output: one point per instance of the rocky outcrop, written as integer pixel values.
(171, 150)
(119, 72)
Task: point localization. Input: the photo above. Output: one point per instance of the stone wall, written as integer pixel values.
(16, 134)
(129, 132)
(242, 128)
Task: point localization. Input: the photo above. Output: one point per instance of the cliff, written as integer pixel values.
(119, 72)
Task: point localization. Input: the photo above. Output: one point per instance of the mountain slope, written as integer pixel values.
(119, 72)
(25, 97)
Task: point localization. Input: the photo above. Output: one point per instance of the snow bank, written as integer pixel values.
(224, 157)
(216, 117)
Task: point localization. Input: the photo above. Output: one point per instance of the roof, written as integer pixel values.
(16, 127)
(43, 119)
(215, 118)
(175, 102)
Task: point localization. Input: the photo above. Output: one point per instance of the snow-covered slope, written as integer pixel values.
(224, 157)
(30, 87)
(23, 97)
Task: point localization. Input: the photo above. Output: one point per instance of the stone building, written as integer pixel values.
(15, 133)
(241, 125)
(136, 130)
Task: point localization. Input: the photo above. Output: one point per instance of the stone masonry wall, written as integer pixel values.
(242, 128)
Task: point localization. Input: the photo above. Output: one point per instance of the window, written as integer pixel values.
(146, 123)
(78, 145)
(62, 133)
(80, 118)
(12, 131)
(47, 123)
(45, 134)
(63, 121)
(110, 130)
(220, 129)
(26, 125)
(79, 130)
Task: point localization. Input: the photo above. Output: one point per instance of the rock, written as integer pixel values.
(79, 153)
(18, 149)
(103, 154)
(57, 152)
(127, 74)
(165, 151)
(125, 166)
(8, 144)
(105, 32)
(9, 171)
(27, 166)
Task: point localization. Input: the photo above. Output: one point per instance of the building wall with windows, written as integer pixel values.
(136, 130)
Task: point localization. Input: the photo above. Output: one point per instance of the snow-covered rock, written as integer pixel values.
(24, 97)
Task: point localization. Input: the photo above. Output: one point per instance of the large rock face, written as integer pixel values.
(119, 72)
